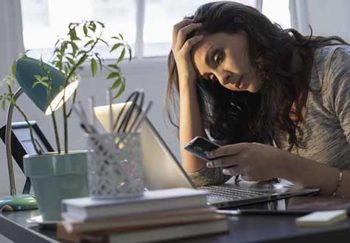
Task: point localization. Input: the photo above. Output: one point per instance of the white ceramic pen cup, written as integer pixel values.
(115, 165)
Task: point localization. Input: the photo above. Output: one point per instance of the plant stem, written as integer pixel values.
(73, 102)
(30, 129)
(56, 132)
(54, 122)
(65, 126)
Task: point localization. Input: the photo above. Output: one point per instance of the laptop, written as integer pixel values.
(162, 170)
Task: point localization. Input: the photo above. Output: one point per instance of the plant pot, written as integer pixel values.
(55, 177)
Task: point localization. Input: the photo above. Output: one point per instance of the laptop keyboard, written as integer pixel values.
(229, 193)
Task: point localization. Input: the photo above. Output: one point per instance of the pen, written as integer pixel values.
(109, 102)
(92, 113)
(237, 212)
(142, 117)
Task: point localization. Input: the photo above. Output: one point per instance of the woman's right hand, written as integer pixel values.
(181, 48)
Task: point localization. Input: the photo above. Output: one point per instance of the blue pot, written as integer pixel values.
(55, 177)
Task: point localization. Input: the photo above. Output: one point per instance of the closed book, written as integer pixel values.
(161, 233)
(152, 234)
(160, 218)
(87, 208)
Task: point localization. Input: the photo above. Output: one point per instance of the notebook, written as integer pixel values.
(162, 170)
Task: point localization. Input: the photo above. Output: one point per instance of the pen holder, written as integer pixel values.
(115, 165)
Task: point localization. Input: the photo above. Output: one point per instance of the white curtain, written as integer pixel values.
(11, 41)
(299, 16)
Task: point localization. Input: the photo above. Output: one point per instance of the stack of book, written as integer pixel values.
(156, 216)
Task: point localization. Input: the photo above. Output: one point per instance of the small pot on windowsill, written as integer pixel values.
(55, 177)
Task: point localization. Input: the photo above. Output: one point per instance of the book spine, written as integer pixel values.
(161, 234)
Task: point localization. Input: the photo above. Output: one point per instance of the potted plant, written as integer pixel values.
(63, 174)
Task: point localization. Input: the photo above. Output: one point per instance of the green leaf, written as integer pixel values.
(120, 36)
(13, 68)
(73, 35)
(70, 60)
(101, 24)
(66, 68)
(46, 85)
(92, 26)
(74, 47)
(82, 60)
(121, 57)
(72, 25)
(85, 30)
(113, 75)
(37, 77)
(93, 67)
(12, 100)
(115, 46)
(121, 90)
(43, 80)
(3, 104)
(117, 83)
(89, 43)
(80, 53)
(114, 66)
(103, 41)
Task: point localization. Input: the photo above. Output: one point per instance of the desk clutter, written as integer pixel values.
(115, 156)
(155, 216)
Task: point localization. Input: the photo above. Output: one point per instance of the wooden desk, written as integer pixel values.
(243, 228)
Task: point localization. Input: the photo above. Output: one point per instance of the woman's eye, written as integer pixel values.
(218, 57)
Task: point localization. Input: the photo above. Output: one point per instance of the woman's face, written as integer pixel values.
(224, 58)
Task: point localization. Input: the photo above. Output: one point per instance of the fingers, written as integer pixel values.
(223, 162)
(178, 26)
(228, 150)
(183, 32)
(186, 48)
(180, 32)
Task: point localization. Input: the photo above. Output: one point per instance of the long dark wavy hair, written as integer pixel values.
(233, 116)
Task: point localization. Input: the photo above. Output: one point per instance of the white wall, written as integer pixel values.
(11, 38)
(329, 17)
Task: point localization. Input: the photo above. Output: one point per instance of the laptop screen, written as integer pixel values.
(161, 169)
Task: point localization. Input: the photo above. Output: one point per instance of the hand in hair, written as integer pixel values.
(181, 48)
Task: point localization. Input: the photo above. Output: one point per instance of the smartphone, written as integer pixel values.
(199, 146)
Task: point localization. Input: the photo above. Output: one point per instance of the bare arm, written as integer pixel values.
(302, 171)
(190, 124)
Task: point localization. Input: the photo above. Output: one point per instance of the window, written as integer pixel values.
(44, 20)
(160, 16)
(277, 12)
(143, 23)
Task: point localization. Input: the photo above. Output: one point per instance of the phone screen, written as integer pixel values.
(199, 146)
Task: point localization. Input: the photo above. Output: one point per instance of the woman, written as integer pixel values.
(248, 84)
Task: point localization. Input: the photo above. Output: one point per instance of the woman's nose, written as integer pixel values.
(223, 77)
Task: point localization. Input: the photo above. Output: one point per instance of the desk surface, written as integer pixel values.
(243, 228)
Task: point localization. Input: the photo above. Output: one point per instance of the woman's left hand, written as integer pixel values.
(253, 161)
